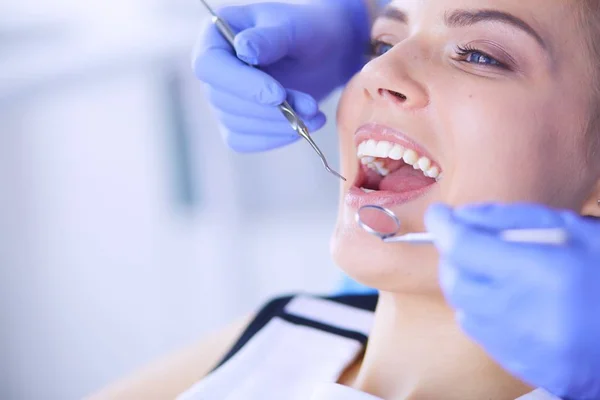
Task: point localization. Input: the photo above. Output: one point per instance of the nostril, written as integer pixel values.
(397, 95)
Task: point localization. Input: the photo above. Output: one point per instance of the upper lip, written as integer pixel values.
(381, 132)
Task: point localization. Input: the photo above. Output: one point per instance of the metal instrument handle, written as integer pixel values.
(554, 237)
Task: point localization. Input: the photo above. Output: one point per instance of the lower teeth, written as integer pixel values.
(367, 190)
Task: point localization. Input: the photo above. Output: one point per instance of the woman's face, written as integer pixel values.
(493, 95)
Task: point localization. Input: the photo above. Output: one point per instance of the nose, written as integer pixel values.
(391, 78)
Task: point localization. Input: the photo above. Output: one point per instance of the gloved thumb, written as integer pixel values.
(262, 45)
(262, 36)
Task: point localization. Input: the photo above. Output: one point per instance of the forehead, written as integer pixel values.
(556, 21)
(554, 11)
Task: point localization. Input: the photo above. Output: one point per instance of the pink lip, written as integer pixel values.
(355, 197)
(381, 132)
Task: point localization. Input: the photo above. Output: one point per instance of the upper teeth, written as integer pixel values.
(369, 150)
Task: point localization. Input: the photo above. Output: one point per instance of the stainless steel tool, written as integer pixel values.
(285, 108)
(383, 223)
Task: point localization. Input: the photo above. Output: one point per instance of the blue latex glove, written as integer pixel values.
(534, 308)
(305, 51)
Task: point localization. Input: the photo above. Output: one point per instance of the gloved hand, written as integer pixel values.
(534, 308)
(305, 51)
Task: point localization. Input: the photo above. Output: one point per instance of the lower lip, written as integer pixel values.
(356, 197)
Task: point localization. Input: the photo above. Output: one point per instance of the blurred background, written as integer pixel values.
(127, 228)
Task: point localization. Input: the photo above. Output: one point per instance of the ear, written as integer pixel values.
(591, 207)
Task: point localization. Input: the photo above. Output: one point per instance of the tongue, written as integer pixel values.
(405, 179)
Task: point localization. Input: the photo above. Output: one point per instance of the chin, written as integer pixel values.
(390, 267)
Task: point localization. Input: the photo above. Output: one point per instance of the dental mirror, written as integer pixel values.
(383, 223)
(378, 221)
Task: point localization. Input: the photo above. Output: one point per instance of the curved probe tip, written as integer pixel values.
(337, 174)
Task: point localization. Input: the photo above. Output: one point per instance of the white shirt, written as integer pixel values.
(299, 353)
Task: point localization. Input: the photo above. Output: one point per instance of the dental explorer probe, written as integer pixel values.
(285, 108)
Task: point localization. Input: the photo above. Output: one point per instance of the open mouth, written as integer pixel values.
(392, 169)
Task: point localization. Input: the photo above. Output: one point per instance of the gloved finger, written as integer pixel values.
(249, 126)
(304, 104)
(439, 221)
(516, 352)
(509, 216)
(483, 253)
(583, 230)
(243, 143)
(474, 294)
(215, 64)
(261, 37)
(263, 45)
(238, 17)
(272, 36)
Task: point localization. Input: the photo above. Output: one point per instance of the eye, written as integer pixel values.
(474, 56)
(480, 58)
(379, 48)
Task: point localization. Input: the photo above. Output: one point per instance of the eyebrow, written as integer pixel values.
(394, 13)
(466, 18)
(460, 18)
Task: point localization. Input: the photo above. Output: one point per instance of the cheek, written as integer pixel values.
(506, 146)
(350, 113)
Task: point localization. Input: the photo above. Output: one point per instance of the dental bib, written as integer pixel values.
(296, 349)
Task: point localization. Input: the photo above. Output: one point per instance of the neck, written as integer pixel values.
(417, 351)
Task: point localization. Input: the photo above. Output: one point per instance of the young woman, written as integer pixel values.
(463, 102)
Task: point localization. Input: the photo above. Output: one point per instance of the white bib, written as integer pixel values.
(298, 354)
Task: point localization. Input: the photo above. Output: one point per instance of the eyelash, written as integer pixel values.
(463, 54)
(374, 47)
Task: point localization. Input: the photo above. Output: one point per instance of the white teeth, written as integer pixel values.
(367, 190)
(371, 148)
(397, 152)
(367, 160)
(410, 157)
(360, 152)
(383, 149)
(424, 163)
(371, 153)
(433, 172)
(381, 169)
